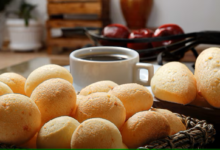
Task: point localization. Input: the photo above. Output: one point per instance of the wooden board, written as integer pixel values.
(73, 23)
(106, 12)
(75, 8)
(69, 42)
(70, 1)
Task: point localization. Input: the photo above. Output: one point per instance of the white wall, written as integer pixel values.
(191, 15)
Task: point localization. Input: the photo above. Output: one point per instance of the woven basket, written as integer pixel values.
(197, 135)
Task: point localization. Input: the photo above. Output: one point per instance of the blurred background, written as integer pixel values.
(45, 18)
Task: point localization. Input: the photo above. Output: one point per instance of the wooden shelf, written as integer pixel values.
(59, 23)
(70, 1)
(76, 42)
(63, 14)
(70, 42)
(75, 8)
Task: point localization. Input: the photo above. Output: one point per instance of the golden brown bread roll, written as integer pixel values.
(207, 73)
(54, 97)
(15, 81)
(123, 146)
(174, 82)
(144, 127)
(200, 101)
(96, 133)
(101, 105)
(175, 123)
(101, 86)
(4, 89)
(78, 99)
(31, 143)
(44, 73)
(135, 97)
(57, 133)
(20, 119)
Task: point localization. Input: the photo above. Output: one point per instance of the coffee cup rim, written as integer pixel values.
(96, 48)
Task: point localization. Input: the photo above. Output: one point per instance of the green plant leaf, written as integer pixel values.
(25, 12)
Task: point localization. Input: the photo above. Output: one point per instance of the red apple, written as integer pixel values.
(115, 31)
(167, 30)
(142, 33)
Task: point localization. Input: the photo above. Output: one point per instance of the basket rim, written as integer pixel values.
(194, 128)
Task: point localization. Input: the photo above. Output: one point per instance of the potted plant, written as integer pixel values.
(25, 32)
(3, 4)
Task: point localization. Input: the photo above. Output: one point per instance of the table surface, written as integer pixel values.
(27, 67)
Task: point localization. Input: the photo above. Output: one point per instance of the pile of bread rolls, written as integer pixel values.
(174, 82)
(44, 111)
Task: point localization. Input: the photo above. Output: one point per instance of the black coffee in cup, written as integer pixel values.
(105, 57)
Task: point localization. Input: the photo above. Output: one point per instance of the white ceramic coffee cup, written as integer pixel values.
(86, 72)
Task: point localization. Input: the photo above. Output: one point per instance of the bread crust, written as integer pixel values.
(96, 133)
(44, 73)
(135, 97)
(144, 127)
(15, 81)
(60, 128)
(54, 97)
(20, 119)
(207, 73)
(174, 82)
(101, 86)
(4, 89)
(101, 105)
(175, 123)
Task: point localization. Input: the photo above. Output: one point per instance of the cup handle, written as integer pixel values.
(136, 73)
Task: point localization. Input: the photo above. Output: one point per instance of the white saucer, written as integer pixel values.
(143, 76)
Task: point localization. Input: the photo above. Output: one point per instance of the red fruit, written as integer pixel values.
(142, 33)
(167, 30)
(116, 31)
